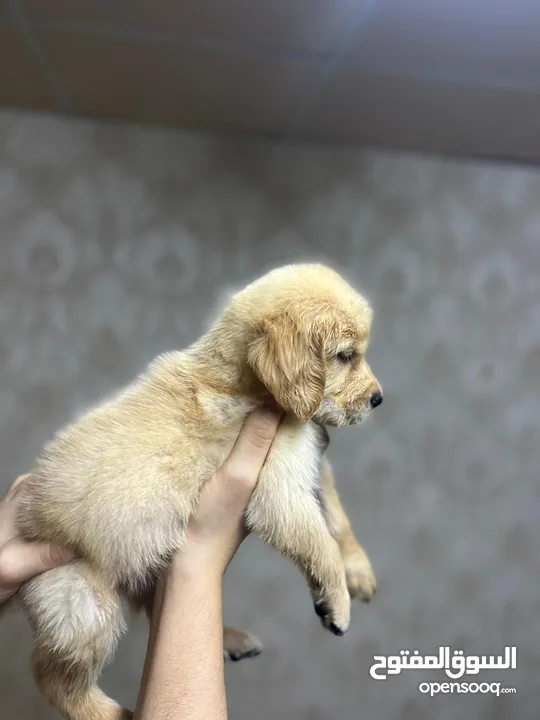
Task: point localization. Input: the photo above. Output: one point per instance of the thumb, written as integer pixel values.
(20, 561)
(254, 441)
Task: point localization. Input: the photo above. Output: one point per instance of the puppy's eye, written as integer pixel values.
(346, 356)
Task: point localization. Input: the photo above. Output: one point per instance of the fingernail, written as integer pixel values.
(268, 416)
(270, 403)
(60, 555)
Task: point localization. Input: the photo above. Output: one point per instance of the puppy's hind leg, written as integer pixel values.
(77, 620)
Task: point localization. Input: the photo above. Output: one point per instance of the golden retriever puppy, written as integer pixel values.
(120, 484)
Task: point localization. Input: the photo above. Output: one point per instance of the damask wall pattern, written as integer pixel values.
(116, 244)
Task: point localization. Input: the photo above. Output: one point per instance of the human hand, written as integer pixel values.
(184, 662)
(21, 560)
(217, 529)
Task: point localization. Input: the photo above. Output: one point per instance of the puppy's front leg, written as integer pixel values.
(360, 576)
(291, 520)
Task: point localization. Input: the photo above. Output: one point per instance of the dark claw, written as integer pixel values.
(322, 612)
(337, 631)
(321, 609)
(252, 652)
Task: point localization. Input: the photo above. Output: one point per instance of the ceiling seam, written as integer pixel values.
(63, 99)
(331, 66)
(327, 59)
(181, 41)
(445, 78)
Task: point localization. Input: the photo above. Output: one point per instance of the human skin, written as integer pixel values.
(21, 560)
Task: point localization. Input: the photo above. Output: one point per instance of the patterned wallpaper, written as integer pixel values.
(116, 243)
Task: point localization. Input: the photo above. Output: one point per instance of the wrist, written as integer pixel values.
(196, 566)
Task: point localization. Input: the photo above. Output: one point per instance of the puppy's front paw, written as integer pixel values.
(361, 580)
(324, 613)
(238, 645)
(334, 609)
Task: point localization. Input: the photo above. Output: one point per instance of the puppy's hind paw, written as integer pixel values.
(361, 581)
(238, 645)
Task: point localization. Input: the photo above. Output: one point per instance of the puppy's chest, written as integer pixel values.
(295, 456)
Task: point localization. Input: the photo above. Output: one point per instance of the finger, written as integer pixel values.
(254, 441)
(20, 561)
(16, 486)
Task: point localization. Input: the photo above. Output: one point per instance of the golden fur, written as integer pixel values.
(120, 484)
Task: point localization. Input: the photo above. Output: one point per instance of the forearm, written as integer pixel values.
(183, 676)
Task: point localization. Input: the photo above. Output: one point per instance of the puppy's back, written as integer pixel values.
(105, 483)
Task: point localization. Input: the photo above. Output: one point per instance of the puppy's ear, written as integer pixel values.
(288, 360)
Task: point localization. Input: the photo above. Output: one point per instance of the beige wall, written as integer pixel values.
(115, 243)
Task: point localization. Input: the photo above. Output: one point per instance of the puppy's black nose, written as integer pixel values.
(376, 400)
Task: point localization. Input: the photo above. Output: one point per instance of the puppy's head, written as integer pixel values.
(310, 333)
